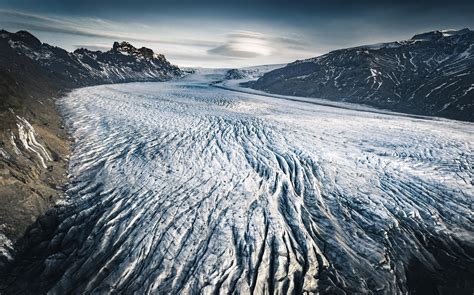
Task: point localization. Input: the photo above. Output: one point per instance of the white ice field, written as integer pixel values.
(181, 187)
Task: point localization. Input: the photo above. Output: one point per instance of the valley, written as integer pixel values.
(184, 187)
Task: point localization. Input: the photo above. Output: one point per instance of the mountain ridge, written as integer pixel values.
(429, 74)
(83, 67)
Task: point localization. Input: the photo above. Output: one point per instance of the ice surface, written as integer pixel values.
(180, 187)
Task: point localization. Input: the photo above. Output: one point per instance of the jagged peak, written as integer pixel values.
(126, 48)
(123, 46)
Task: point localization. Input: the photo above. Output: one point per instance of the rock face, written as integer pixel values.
(33, 142)
(430, 74)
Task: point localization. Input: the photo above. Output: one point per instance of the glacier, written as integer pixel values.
(182, 187)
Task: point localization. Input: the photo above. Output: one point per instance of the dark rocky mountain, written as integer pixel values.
(33, 141)
(430, 74)
(123, 63)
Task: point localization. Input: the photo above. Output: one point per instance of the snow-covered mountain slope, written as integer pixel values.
(181, 187)
(430, 74)
(123, 63)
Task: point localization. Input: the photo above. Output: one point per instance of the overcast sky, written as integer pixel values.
(214, 33)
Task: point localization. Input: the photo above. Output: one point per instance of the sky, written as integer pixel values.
(211, 33)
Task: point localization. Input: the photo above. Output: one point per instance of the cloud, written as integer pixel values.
(243, 44)
(232, 50)
(287, 41)
(34, 22)
(181, 43)
(248, 44)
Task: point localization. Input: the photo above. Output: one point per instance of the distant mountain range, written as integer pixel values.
(123, 63)
(429, 74)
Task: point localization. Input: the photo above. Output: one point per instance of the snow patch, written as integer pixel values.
(27, 136)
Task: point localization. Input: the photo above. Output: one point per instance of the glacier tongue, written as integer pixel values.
(180, 187)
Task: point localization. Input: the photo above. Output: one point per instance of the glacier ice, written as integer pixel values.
(180, 187)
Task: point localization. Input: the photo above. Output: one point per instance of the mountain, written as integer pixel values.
(34, 144)
(123, 63)
(429, 74)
